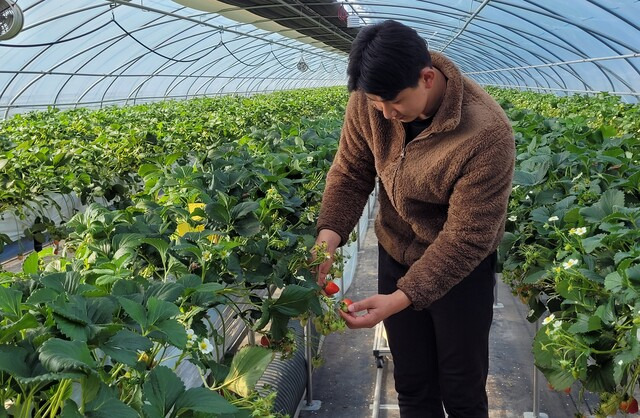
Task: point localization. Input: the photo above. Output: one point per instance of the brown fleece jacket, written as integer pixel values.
(443, 197)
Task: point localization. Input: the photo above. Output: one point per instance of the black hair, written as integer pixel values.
(386, 58)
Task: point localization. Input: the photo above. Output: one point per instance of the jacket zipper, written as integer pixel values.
(395, 173)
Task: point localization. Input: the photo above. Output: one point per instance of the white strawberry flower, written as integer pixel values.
(553, 219)
(309, 159)
(548, 319)
(578, 231)
(205, 346)
(570, 263)
(573, 180)
(513, 218)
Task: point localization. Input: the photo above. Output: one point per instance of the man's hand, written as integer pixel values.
(333, 240)
(378, 307)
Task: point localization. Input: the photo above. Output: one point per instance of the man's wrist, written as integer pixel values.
(401, 300)
(332, 239)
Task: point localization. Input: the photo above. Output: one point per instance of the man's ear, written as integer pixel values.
(428, 75)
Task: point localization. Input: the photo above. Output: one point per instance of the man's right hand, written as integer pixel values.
(333, 240)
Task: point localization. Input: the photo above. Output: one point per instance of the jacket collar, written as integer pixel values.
(448, 115)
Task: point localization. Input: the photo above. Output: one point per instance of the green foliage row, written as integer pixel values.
(572, 246)
(101, 328)
(97, 153)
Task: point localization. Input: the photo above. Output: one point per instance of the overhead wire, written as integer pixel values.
(56, 42)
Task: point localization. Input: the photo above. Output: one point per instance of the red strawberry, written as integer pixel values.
(629, 406)
(344, 305)
(331, 288)
(567, 390)
(264, 341)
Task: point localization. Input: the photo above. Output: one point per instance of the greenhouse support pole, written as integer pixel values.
(536, 389)
(309, 404)
(496, 304)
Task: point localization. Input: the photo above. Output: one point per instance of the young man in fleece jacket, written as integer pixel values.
(443, 151)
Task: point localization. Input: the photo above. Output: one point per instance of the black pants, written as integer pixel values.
(441, 354)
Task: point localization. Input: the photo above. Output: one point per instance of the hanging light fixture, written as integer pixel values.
(302, 65)
(11, 19)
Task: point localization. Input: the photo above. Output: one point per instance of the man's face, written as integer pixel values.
(409, 104)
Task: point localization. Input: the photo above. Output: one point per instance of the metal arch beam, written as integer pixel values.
(195, 22)
(617, 15)
(24, 66)
(173, 14)
(307, 17)
(634, 55)
(247, 46)
(243, 68)
(275, 72)
(596, 34)
(167, 64)
(578, 77)
(149, 77)
(205, 85)
(255, 39)
(83, 65)
(539, 45)
(616, 44)
(577, 51)
(60, 16)
(473, 16)
(508, 51)
(621, 93)
(502, 39)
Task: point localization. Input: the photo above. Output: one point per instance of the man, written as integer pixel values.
(443, 151)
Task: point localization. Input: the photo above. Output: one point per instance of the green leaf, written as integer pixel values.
(159, 310)
(293, 301)
(13, 360)
(613, 282)
(559, 379)
(247, 366)
(606, 312)
(42, 295)
(8, 332)
(585, 323)
(604, 207)
(134, 310)
(536, 276)
(541, 215)
(243, 209)
(125, 345)
(210, 288)
(72, 329)
(174, 331)
(107, 405)
(247, 226)
(600, 378)
(161, 391)
(30, 264)
(70, 410)
(160, 245)
(624, 359)
(169, 292)
(203, 400)
(591, 243)
(66, 356)
(10, 302)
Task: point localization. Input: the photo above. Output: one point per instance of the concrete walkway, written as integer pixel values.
(345, 383)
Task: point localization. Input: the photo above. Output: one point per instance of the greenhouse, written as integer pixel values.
(193, 192)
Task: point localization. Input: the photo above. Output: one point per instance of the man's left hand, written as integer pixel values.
(377, 307)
